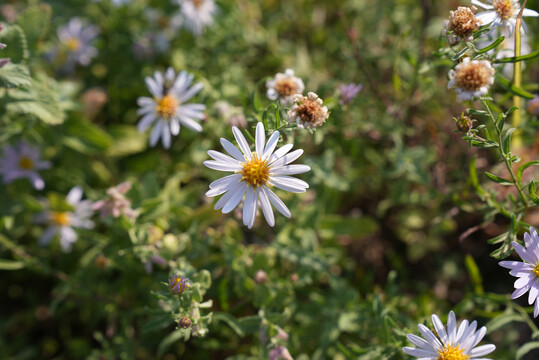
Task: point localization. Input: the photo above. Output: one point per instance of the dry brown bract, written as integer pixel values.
(461, 24)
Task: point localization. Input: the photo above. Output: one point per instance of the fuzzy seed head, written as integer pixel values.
(286, 87)
(462, 22)
(504, 8)
(473, 75)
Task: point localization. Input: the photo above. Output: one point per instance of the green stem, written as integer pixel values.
(517, 80)
(504, 155)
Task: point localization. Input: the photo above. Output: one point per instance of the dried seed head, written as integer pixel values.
(308, 111)
(185, 322)
(461, 24)
(504, 8)
(473, 76)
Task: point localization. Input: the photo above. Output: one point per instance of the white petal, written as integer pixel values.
(216, 155)
(190, 93)
(67, 237)
(174, 127)
(439, 328)
(47, 235)
(451, 327)
(482, 350)
(420, 342)
(242, 143)
(156, 132)
(260, 139)
(235, 199)
(487, 17)
(528, 12)
(287, 159)
(74, 196)
(232, 150)
(249, 207)
(156, 91)
(165, 136)
(190, 123)
(290, 170)
(420, 353)
(482, 5)
(524, 254)
(266, 207)
(276, 202)
(281, 152)
(288, 183)
(224, 199)
(222, 166)
(272, 143)
(519, 292)
(146, 121)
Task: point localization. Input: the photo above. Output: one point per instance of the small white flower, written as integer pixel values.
(284, 87)
(527, 271)
(308, 111)
(471, 78)
(63, 222)
(502, 13)
(195, 15)
(77, 39)
(23, 161)
(168, 106)
(454, 342)
(254, 172)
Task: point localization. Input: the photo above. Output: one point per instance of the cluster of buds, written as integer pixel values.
(178, 284)
(116, 204)
(461, 25)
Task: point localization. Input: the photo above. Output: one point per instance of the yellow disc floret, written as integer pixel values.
(26, 163)
(60, 218)
(255, 171)
(536, 270)
(73, 44)
(166, 106)
(504, 8)
(450, 352)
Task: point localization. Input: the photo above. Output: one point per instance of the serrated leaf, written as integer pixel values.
(498, 179)
(514, 59)
(38, 101)
(35, 22)
(14, 75)
(17, 46)
(512, 88)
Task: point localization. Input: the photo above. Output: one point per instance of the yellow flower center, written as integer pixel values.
(450, 352)
(472, 76)
(286, 87)
(60, 218)
(255, 171)
(176, 281)
(197, 3)
(536, 270)
(504, 8)
(73, 44)
(166, 107)
(26, 163)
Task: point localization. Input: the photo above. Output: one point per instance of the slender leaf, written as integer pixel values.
(497, 42)
(514, 59)
(498, 179)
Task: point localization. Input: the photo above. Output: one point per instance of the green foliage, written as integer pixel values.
(17, 47)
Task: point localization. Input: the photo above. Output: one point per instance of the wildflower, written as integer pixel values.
(464, 123)
(261, 277)
(526, 271)
(3, 61)
(461, 24)
(77, 42)
(455, 343)
(116, 204)
(308, 111)
(533, 106)
(22, 161)
(471, 79)
(167, 106)
(253, 174)
(197, 14)
(348, 92)
(284, 87)
(280, 352)
(502, 13)
(178, 284)
(63, 222)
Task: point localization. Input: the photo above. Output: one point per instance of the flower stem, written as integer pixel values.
(517, 80)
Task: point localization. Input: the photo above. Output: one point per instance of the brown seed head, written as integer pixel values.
(463, 21)
(185, 322)
(286, 87)
(473, 75)
(504, 8)
(311, 113)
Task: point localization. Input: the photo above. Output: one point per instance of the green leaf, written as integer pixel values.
(498, 179)
(460, 54)
(230, 321)
(514, 59)
(507, 140)
(359, 226)
(257, 104)
(475, 274)
(524, 167)
(11, 265)
(126, 140)
(502, 320)
(87, 137)
(512, 88)
(35, 22)
(482, 30)
(17, 47)
(14, 75)
(497, 42)
(171, 339)
(533, 195)
(526, 348)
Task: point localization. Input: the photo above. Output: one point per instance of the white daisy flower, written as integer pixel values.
(451, 343)
(527, 271)
(23, 161)
(254, 173)
(168, 106)
(308, 111)
(195, 15)
(63, 222)
(471, 78)
(78, 39)
(502, 13)
(284, 87)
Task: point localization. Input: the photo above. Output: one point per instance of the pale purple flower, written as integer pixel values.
(348, 92)
(178, 284)
(451, 342)
(23, 161)
(280, 352)
(195, 15)
(527, 271)
(63, 222)
(254, 174)
(116, 204)
(168, 108)
(77, 40)
(502, 13)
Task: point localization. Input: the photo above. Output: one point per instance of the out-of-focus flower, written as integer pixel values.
(461, 25)
(178, 284)
(471, 78)
(77, 39)
(23, 161)
(253, 173)
(284, 86)
(526, 271)
(150, 44)
(195, 15)
(348, 92)
(502, 13)
(93, 101)
(170, 92)
(3, 61)
(463, 122)
(261, 277)
(154, 259)
(116, 204)
(231, 115)
(454, 342)
(280, 352)
(533, 106)
(8, 12)
(308, 111)
(63, 222)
